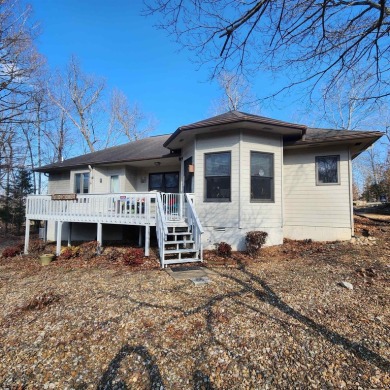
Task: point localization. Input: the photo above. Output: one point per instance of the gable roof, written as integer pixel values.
(143, 149)
(233, 117)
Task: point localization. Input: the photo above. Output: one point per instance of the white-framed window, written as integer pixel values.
(217, 177)
(327, 170)
(81, 183)
(262, 177)
(114, 184)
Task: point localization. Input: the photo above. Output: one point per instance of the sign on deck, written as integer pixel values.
(64, 197)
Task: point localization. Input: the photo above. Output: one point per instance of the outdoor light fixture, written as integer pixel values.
(157, 163)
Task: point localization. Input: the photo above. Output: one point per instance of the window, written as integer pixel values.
(217, 176)
(164, 182)
(82, 183)
(114, 184)
(262, 177)
(327, 170)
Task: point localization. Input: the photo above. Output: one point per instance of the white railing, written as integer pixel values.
(173, 206)
(194, 222)
(122, 208)
(161, 227)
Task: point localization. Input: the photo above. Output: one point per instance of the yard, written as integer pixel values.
(281, 321)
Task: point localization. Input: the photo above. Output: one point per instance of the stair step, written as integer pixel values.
(179, 242)
(179, 233)
(178, 261)
(174, 251)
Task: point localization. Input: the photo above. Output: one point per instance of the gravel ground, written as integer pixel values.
(282, 321)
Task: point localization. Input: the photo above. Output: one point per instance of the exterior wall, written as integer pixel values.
(187, 152)
(142, 182)
(131, 179)
(229, 221)
(59, 183)
(318, 212)
(100, 179)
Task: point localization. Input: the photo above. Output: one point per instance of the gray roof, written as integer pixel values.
(143, 149)
(156, 147)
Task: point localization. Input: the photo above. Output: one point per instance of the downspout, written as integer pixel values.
(350, 192)
(281, 183)
(239, 180)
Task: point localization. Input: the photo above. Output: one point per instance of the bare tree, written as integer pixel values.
(84, 93)
(128, 120)
(236, 94)
(19, 61)
(314, 41)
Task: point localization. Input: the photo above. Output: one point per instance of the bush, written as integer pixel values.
(88, 250)
(113, 254)
(254, 240)
(69, 252)
(36, 247)
(11, 251)
(224, 249)
(133, 256)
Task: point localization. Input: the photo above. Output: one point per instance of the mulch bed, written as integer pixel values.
(279, 321)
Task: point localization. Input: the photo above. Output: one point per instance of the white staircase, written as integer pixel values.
(179, 239)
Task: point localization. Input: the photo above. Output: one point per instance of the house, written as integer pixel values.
(208, 182)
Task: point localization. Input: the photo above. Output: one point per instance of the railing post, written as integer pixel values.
(27, 236)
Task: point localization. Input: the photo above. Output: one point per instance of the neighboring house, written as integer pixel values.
(241, 172)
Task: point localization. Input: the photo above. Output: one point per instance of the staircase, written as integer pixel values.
(180, 240)
(179, 246)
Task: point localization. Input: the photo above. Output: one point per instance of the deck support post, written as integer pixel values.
(139, 236)
(147, 240)
(27, 236)
(70, 234)
(59, 236)
(99, 234)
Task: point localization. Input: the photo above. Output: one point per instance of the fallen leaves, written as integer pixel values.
(280, 321)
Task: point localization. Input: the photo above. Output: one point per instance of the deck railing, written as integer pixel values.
(122, 208)
(194, 222)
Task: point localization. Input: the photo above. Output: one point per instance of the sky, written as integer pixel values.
(114, 41)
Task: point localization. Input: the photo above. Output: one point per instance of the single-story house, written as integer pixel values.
(207, 182)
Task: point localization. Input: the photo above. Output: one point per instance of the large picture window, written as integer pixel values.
(327, 170)
(217, 176)
(262, 177)
(164, 182)
(82, 183)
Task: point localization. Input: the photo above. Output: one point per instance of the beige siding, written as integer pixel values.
(101, 179)
(142, 183)
(217, 214)
(315, 210)
(59, 183)
(258, 215)
(229, 221)
(131, 179)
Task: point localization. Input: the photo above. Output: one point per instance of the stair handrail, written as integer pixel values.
(161, 227)
(196, 226)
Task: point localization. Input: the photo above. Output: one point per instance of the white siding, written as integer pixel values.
(320, 212)
(59, 183)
